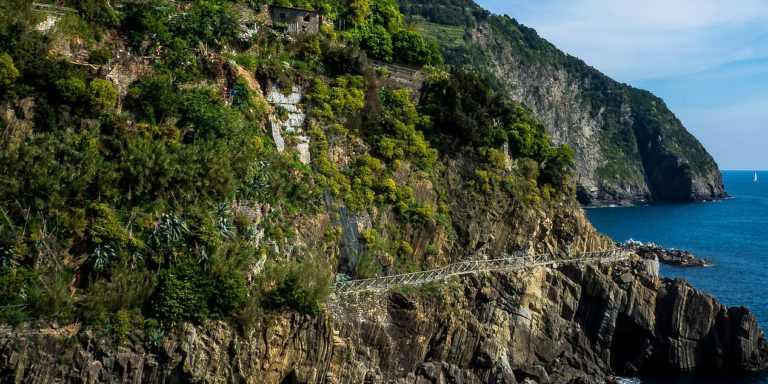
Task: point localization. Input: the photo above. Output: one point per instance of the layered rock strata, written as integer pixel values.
(578, 324)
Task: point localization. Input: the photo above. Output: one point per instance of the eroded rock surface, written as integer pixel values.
(579, 324)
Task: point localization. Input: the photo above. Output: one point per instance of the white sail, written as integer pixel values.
(755, 177)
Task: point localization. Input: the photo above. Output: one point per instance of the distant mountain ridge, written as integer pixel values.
(629, 147)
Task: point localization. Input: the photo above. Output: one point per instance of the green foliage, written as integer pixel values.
(300, 286)
(309, 49)
(182, 293)
(454, 12)
(105, 228)
(245, 101)
(72, 90)
(121, 326)
(50, 297)
(155, 334)
(357, 11)
(100, 56)
(401, 131)
(377, 42)
(365, 266)
(8, 72)
(154, 99)
(211, 23)
(96, 11)
(14, 293)
(343, 99)
(464, 105)
(140, 195)
(364, 176)
(127, 290)
(102, 95)
(409, 47)
(229, 292)
(386, 13)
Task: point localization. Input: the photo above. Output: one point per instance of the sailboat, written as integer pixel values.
(755, 177)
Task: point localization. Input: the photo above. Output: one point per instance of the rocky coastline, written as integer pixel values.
(570, 324)
(670, 256)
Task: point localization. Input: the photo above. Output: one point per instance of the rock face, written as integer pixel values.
(629, 147)
(572, 324)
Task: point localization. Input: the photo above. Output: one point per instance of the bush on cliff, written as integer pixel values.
(301, 286)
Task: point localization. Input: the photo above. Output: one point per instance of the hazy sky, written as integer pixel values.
(708, 59)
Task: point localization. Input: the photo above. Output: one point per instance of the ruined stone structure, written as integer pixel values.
(296, 20)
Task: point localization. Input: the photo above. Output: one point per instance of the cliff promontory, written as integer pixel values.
(629, 147)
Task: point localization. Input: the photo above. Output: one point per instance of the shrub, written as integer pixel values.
(300, 286)
(154, 99)
(409, 47)
(229, 295)
(72, 90)
(377, 42)
(121, 326)
(182, 293)
(8, 71)
(105, 227)
(100, 56)
(365, 266)
(14, 293)
(101, 94)
(50, 296)
(123, 290)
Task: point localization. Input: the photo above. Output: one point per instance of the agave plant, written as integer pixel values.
(136, 258)
(202, 256)
(6, 257)
(171, 229)
(225, 226)
(260, 183)
(155, 337)
(252, 235)
(101, 257)
(342, 277)
(222, 210)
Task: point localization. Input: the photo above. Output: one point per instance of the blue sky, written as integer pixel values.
(708, 59)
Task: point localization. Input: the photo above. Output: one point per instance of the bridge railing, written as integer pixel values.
(511, 262)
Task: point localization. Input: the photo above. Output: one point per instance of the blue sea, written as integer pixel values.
(733, 233)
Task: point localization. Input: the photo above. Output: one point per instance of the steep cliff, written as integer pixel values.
(183, 182)
(629, 147)
(578, 324)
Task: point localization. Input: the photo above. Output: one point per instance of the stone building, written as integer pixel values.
(296, 20)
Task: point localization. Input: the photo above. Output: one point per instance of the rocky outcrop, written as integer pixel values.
(571, 324)
(670, 256)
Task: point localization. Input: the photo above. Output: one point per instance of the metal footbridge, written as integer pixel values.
(511, 262)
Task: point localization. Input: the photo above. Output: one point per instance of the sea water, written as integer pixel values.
(732, 233)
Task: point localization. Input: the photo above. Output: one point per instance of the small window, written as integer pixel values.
(307, 17)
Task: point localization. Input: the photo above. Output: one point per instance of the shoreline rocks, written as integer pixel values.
(571, 324)
(670, 256)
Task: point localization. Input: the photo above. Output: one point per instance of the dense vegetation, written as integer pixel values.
(165, 200)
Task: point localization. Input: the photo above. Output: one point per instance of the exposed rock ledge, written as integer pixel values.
(572, 324)
(670, 256)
